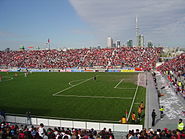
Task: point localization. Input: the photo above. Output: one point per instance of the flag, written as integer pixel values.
(30, 47)
(48, 40)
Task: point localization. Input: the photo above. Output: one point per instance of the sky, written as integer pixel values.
(85, 23)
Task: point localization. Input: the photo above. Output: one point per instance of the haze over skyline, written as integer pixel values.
(85, 23)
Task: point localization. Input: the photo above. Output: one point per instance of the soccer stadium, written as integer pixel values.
(82, 88)
(110, 94)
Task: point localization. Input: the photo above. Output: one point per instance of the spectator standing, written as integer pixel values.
(41, 130)
(28, 118)
(180, 125)
(153, 117)
(161, 112)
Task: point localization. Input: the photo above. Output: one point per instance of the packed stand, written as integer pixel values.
(175, 71)
(158, 134)
(179, 133)
(145, 58)
(14, 131)
(176, 65)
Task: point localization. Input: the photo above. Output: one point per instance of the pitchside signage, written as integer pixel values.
(73, 70)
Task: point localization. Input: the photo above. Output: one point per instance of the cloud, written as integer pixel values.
(116, 18)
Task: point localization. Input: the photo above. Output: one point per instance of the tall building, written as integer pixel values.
(109, 42)
(150, 44)
(141, 40)
(130, 43)
(7, 50)
(114, 45)
(139, 37)
(99, 47)
(118, 43)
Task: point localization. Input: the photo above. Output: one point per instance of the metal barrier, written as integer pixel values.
(73, 124)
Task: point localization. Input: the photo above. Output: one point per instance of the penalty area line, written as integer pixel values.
(118, 83)
(72, 86)
(70, 83)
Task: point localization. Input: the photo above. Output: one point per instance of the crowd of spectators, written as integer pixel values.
(14, 131)
(145, 58)
(158, 134)
(176, 65)
(174, 69)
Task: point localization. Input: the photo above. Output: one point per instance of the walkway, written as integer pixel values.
(173, 104)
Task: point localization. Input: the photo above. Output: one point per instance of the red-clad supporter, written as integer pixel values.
(158, 134)
(176, 65)
(174, 69)
(23, 132)
(107, 57)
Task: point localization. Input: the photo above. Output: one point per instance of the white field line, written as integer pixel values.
(72, 86)
(95, 97)
(118, 83)
(126, 88)
(70, 83)
(133, 99)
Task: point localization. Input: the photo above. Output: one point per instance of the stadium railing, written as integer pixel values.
(71, 123)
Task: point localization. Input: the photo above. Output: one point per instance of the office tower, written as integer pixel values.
(114, 45)
(141, 40)
(109, 42)
(7, 50)
(150, 44)
(118, 43)
(130, 43)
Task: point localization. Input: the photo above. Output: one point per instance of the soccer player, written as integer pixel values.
(139, 112)
(1, 77)
(25, 74)
(142, 106)
(133, 117)
(94, 77)
(15, 74)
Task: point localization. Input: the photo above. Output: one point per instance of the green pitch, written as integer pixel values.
(72, 95)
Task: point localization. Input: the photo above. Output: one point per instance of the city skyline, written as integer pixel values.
(85, 23)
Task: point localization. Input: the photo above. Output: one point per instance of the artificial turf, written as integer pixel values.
(102, 99)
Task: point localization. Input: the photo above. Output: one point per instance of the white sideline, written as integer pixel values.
(95, 97)
(133, 99)
(72, 86)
